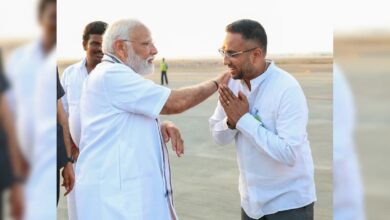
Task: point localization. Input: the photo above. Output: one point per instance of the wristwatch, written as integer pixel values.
(230, 126)
(19, 179)
(70, 159)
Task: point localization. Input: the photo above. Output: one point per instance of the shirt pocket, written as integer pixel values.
(73, 94)
(267, 116)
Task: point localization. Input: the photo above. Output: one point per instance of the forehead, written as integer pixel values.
(233, 41)
(95, 37)
(140, 33)
(49, 8)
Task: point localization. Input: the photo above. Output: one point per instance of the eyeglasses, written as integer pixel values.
(231, 54)
(147, 44)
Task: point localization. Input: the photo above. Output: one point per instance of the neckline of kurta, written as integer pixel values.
(83, 67)
(259, 79)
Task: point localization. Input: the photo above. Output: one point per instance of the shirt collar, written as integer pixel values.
(258, 80)
(82, 63)
(108, 57)
(111, 58)
(82, 66)
(38, 49)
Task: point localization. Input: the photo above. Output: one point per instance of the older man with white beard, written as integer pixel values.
(123, 168)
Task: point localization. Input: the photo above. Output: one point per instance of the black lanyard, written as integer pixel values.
(114, 59)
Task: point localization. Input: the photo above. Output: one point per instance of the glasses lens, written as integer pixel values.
(222, 52)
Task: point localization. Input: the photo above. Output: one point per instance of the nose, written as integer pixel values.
(98, 48)
(226, 60)
(153, 50)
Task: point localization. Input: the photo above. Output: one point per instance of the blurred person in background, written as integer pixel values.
(164, 70)
(24, 68)
(12, 174)
(263, 110)
(72, 81)
(348, 201)
(22, 71)
(41, 182)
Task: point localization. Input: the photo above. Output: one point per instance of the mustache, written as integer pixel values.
(150, 58)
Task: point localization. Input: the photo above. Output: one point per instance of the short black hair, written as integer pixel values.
(42, 5)
(96, 27)
(250, 30)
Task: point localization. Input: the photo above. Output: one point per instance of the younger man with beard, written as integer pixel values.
(263, 110)
(72, 81)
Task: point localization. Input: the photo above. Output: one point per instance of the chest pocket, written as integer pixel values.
(266, 114)
(74, 93)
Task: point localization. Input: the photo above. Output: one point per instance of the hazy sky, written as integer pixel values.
(187, 29)
(196, 28)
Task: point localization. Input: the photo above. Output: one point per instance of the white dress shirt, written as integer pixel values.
(22, 71)
(40, 189)
(122, 171)
(72, 81)
(347, 183)
(273, 152)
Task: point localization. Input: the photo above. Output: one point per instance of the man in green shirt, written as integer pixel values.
(164, 68)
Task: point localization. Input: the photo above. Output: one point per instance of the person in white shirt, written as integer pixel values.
(72, 81)
(264, 111)
(26, 70)
(22, 70)
(348, 202)
(41, 182)
(123, 168)
(74, 75)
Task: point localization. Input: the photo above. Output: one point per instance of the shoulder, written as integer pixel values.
(284, 79)
(21, 53)
(72, 69)
(18, 60)
(115, 69)
(115, 74)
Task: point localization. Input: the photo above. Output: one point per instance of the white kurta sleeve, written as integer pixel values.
(64, 98)
(291, 121)
(130, 92)
(9, 72)
(220, 132)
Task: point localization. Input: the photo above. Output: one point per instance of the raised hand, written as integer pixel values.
(224, 78)
(235, 107)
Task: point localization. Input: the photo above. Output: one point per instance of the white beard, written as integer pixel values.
(139, 65)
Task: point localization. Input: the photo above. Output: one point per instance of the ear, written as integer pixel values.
(85, 44)
(257, 53)
(120, 48)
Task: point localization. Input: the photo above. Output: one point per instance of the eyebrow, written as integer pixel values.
(230, 51)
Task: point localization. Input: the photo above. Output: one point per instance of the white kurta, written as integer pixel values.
(40, 190)
(72, 81)
(22, 71)
(273, 152)
(120, 169)
(347, 183)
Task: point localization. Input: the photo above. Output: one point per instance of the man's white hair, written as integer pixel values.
(118, 30)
